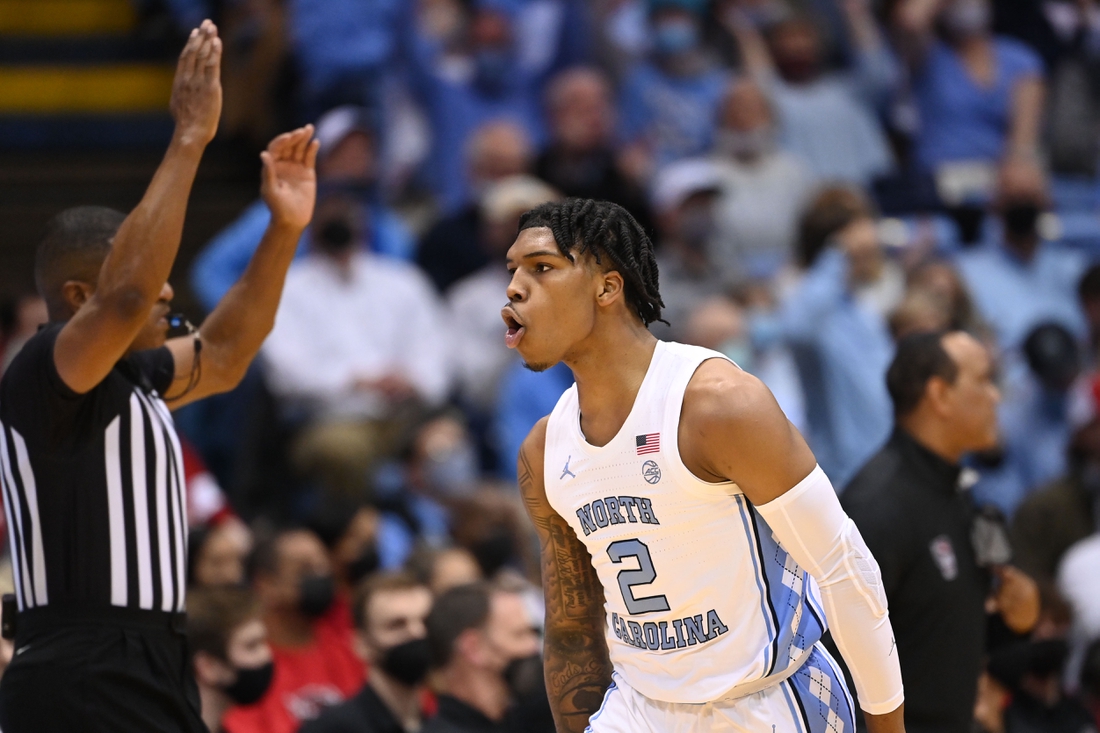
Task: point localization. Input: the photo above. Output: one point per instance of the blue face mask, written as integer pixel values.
(672, 37)
(740, 351)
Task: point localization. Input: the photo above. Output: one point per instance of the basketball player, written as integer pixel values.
(682, 517)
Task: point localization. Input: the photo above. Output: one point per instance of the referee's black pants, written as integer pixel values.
(101, 671)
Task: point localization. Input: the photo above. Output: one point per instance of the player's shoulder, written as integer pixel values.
(721, 392)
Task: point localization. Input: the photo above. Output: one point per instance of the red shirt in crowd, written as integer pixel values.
(307, 679)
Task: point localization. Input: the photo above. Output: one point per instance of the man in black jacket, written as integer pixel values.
(943, 566)
(389, 611)
(482, 640)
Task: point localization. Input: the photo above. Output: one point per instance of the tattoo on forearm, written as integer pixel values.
(578, 669)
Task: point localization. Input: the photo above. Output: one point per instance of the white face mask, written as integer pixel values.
(745, 144)
(968, 17)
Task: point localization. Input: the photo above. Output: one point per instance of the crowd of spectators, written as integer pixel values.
(822, 178)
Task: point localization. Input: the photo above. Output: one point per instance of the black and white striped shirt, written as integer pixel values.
(93, 484)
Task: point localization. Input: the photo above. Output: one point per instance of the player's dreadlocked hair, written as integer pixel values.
(601, 227)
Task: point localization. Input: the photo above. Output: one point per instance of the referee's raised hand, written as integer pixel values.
(197, 89)
(289, 186)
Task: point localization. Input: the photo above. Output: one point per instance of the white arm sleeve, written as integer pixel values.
(811, 525)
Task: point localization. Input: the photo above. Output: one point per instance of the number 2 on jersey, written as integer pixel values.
(644, 575)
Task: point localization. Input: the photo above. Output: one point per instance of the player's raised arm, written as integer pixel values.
(133, 277)
(732, 428)
(234, 331)
(578, 669)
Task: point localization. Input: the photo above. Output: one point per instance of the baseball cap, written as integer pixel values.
(678, 181)
(338, 123)
(504, 198)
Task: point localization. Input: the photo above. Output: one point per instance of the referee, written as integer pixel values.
(90, 465)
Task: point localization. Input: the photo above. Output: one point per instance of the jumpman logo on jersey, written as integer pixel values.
(565, 471)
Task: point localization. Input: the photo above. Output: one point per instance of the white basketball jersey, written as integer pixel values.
(702, 602)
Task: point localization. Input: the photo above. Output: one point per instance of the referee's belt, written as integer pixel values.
(47, 618)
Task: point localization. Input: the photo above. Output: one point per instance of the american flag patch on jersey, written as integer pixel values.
(648, 443)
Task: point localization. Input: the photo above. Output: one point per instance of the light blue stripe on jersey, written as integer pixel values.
(796, 714)
(788, 587)
(761, 582)
(822, 695)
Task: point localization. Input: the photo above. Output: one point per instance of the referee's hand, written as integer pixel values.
(289, 185)
(197, 89)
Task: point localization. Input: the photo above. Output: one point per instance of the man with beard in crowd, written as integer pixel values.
(482, 644)
(389, 612)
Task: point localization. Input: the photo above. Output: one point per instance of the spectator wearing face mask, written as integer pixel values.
(826, 118)
(315, 665)
(347, 162)
(230, 655)
(458, 97)
(764, 188)
(390, 611)
(359, 347)
(669, 103)
(483, 646)
(979, 96)
(1022, 279)
(1066, 510)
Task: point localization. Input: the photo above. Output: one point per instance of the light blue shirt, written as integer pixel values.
(831, 123)
(225, 258)
(1014, 295)
(842, 348)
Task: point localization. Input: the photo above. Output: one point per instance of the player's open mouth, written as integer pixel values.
(515, 328)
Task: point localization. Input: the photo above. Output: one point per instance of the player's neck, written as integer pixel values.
(609, 375)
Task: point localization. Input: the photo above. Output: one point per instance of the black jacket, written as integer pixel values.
(455, 716)
(909, 508)
(364, 713)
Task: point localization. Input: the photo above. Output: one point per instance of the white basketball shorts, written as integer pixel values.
(812, 700)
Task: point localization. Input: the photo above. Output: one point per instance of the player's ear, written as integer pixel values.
(611, 285)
